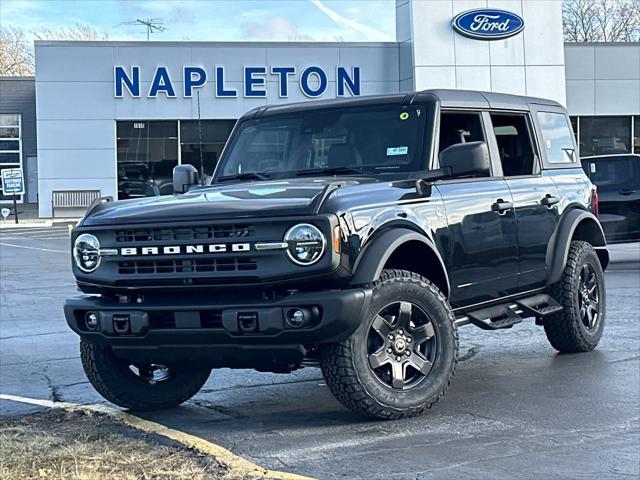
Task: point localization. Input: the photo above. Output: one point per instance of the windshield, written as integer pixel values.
(353, 140)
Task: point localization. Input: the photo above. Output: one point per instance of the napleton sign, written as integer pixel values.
(313, 81)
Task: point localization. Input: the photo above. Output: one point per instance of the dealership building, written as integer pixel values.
(116, 117)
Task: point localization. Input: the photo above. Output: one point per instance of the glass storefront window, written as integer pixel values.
(10, 147)
(202, 142)
(636, 134)
(605, 135)
(147, 153)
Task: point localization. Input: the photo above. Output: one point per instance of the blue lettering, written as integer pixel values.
(161, 83)
(352, 83)
(322, 82)
(122, 79)
(283, 73)
(220, 90)
(190, 82)
(250, 82)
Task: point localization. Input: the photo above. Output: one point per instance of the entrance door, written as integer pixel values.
(32, 179)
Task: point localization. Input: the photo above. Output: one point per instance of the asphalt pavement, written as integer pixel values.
(515, 409)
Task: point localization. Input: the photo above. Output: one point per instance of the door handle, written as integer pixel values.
(501, 207)
(627, 192)
(549, 200)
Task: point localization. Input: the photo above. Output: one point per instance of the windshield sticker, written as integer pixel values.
(404, 116)
(593, 167)
(393, 151)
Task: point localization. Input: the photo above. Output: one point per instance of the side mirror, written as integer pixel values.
(469, 159)
(184, 177)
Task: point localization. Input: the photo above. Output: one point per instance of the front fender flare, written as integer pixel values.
(375, 254)
(560, 243)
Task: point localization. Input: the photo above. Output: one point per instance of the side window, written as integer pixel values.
(515, 144)
(557, 137)
(460, 128)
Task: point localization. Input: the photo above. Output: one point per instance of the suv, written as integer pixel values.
(356, 235)
(618, 180)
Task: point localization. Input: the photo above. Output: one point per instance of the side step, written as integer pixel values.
(506, 315)
(538, 306)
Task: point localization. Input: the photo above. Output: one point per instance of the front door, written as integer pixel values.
(483, 261)
(483, 258)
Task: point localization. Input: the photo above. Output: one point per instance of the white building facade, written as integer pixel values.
(118, 116)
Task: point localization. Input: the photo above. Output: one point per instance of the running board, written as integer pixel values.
(506, 315)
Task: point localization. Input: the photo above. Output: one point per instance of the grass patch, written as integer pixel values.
(88, 446)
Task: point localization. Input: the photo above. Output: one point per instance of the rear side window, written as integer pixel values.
(556, 134)
(515, 144)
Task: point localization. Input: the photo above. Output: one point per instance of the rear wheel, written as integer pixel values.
(139, 386)
(581, 292)
(401, 359)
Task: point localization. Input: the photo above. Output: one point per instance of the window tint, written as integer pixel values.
(513, 137)
(614, 173)
(377, 139)
(557, 137)
(460, 128)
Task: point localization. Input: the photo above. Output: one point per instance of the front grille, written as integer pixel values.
(198, 232)
(225, 264)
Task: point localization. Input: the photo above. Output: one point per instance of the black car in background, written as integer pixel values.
(618, 180)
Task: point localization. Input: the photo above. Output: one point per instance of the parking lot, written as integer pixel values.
(514, 409)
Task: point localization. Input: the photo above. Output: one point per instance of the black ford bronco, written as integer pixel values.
(356, 235)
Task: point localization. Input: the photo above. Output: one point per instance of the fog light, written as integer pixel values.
(296, 318)
(91, 321)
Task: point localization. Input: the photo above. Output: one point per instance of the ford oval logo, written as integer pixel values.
(488, 24)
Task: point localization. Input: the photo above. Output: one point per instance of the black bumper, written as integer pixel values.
(234, 334)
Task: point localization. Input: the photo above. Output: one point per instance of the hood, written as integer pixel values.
(243, 200)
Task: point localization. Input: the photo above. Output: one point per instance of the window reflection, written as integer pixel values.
(147, 153)
(605, 135)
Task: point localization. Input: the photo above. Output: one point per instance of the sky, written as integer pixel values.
(213, 20)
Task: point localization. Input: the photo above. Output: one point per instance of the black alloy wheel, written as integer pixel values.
(589, 297)
(402, 345)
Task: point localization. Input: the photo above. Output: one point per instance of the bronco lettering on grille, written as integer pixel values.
(178, 249)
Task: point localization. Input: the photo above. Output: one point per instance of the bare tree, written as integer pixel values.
(78, 32)
(16, 47)
(601, 20)
(16, 56)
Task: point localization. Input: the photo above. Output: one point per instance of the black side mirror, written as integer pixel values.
(469, 159)
(184, 177)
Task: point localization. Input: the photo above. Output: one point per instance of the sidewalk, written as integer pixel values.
(28, 217)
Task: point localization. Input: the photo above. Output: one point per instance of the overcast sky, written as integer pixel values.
(226, 20)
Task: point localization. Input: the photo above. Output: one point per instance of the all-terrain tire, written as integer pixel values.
(566, 330)
(346, 367)
(116, 382)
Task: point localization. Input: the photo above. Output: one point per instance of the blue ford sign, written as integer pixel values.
(488, 24)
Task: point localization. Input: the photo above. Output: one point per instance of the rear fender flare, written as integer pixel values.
(576, 224)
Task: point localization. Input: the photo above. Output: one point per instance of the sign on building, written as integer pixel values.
(12, 181)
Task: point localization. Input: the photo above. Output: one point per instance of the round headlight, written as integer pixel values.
(306, 244)
(86, 252)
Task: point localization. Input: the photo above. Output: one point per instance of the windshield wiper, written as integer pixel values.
(244, 176)
(328, 171)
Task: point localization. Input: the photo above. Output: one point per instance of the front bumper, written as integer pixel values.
(219, 333)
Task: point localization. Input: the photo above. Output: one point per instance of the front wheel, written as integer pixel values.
(139, 386)
(402, 357)
(578, 327)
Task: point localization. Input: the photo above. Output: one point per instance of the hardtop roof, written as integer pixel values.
(448, 98)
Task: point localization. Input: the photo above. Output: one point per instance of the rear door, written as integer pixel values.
(618, 180)
(482, 259)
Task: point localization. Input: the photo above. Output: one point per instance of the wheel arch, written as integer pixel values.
(399, 248)
(575, 224)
